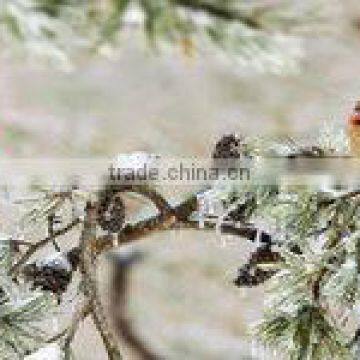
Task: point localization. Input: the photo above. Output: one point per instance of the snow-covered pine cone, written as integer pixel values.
(53, 273)
(111, 211)
(125, 171)
(227, 151)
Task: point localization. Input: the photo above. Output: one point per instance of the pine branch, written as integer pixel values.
(35, 247)
(221, 12)
(20, 312)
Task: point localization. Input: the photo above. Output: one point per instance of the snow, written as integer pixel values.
(57, 261)
(135, 161)
(133, 164)
(50, 352)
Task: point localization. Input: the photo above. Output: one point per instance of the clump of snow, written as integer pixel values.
(134, 161)
(57, 261)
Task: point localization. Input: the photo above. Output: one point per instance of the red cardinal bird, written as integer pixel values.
(354, 130)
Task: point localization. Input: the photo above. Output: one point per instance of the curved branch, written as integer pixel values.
(155, 197)
(172, 217)
(57, 336)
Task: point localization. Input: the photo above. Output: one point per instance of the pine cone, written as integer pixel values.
(111, 212)
(53, 276)
(229, 147)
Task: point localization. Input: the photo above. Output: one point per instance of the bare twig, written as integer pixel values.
(57, 336)
(220, 12)
(51, 219)
(21, 243)
(79, 316)
(88, 267)
(154, 196)
(32, 250)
